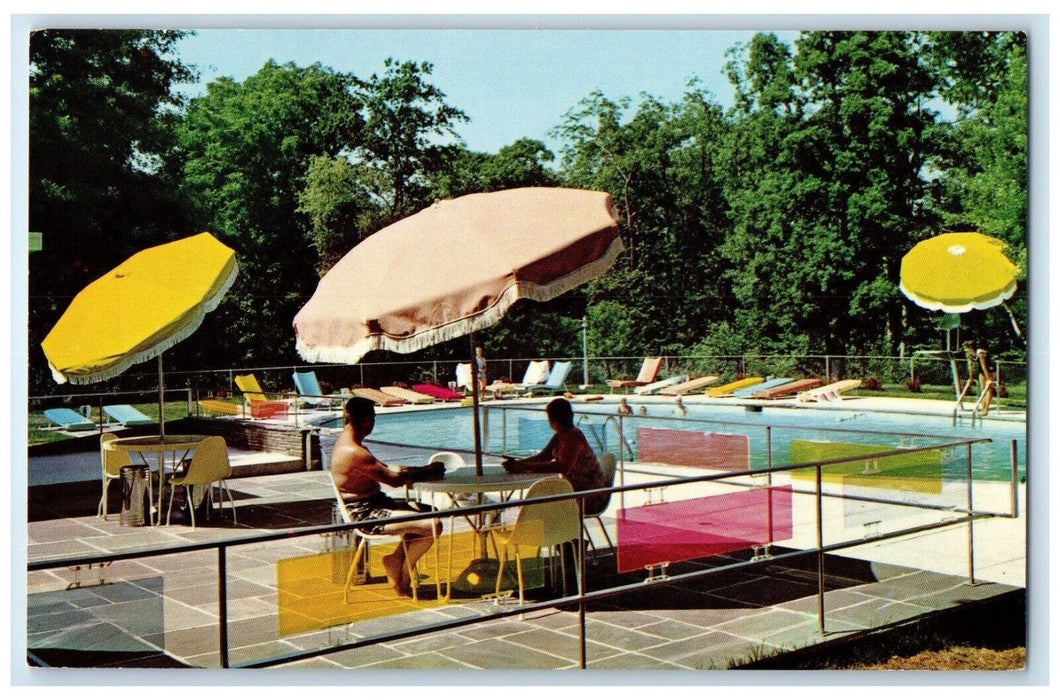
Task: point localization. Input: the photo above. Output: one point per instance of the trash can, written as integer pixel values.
(134, 495)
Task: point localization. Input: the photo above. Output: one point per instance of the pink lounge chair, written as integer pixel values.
(438, 392)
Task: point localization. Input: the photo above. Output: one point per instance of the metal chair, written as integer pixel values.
(363, 538)
(112, 461)
(209, 465)
(607, 466)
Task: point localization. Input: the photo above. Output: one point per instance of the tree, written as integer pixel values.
(523, 163)
(661, 167)
(406, 135)
(840, 141)
(246, 149)
(101, 110)
(985, 183)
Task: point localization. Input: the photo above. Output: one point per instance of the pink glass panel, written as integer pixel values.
(690, 448)
(661, 533)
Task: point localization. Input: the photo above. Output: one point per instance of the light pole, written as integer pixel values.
(585, 353)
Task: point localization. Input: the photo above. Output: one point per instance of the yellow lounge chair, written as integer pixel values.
(260, 405)
(219, 406)
(728, 389)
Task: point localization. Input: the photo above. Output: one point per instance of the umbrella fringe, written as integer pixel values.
(155, 350)
(461, 327)
(936, 305)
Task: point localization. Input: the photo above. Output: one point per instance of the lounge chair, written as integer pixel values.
(656, 387)
(828, 392)
(309, 391)
(126, 415)
(439, 392)
(407, 394)
(789, 389)
(260, 405)
(750, 391)
(68, 419)
(380, 398)
(649, 370)
(463, 375)
(728, 389)
(689, 386)
(219, 406)
(557, 379)
(537, 373)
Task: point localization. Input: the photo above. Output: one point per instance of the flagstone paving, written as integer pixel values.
(162, 611)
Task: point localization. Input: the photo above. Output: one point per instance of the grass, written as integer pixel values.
(988, 637)
(955, 658)
(41, 431)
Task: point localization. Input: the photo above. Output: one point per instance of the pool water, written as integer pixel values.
(524, 430)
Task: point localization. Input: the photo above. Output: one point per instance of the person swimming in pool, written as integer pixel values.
(624, 408)
(358, 475)
(679, 407)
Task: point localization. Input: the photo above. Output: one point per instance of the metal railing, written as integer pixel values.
(952, 515)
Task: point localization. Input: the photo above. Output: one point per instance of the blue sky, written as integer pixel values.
(510, 82)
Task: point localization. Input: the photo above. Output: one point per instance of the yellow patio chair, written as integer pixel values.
(209, 465)
(539, 525)
(112, 460)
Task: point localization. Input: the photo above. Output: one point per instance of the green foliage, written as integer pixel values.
(100, 125)
(245, 149)
(407, 135)
(775, 227)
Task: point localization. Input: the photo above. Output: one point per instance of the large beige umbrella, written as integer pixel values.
(455, 268)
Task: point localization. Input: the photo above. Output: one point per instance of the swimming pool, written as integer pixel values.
(523, 429)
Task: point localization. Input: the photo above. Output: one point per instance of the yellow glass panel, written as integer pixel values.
(920, 472)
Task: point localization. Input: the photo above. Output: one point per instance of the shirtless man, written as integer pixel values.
(359, 474)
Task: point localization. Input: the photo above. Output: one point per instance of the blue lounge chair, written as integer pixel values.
(746, 392)
(310, 392)
(127, 415)
(557, 379)
(68, 419)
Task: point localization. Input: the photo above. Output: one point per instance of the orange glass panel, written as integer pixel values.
(694, 449)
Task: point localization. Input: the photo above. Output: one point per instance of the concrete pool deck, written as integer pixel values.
(162, 612)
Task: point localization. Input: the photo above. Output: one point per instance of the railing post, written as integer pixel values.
(820, 551)
(621, 462)
(581, 586)
(971, 520)
(1015, 480)
(222, 604)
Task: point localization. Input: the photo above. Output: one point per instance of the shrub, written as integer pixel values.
(872, 384)
(913, 384)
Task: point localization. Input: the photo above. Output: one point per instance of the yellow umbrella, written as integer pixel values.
(135, 312)
(957, 272)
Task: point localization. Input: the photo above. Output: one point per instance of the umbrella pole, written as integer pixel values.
(161, 400)
(474, 410)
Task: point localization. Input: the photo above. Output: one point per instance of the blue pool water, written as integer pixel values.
(511, 430)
